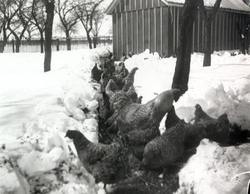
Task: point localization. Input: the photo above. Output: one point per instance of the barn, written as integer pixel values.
(154, 25)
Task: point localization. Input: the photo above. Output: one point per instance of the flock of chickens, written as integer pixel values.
(131, 148)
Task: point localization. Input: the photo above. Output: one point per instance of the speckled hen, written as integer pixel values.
(107, 163)
(139, 122)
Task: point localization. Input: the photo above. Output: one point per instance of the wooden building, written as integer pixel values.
(154, 25)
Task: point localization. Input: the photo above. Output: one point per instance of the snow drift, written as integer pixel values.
(35, 156)
(221, 88)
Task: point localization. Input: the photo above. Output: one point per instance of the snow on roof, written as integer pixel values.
(228, 4)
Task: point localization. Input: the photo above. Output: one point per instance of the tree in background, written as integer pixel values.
(247, 2)
(38, 20)
(209, 16)
(185, 36)
(7, 14)
(85, 10)
(68, 19)
(97, 24)
(19, 24)
(30, 31)
(1, 30)
(50, 7)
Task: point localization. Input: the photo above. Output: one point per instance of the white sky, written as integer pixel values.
(106, 28)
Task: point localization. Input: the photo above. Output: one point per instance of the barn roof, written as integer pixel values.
(237, 5)
(228, 4)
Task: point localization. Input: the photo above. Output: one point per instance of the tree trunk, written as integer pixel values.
(89, 40)
(57, 45)
(1, 46)
(95, 41)
(68, 41)
(182, 68)
(48, 35)
(17, 44)
(41, 42)
(5, 39)
(13, 45)
(208, 49)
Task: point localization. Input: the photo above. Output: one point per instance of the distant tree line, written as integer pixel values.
(24, 19)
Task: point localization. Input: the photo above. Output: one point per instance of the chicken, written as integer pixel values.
(172, 119)
(166, 149)
(128, 81)
(177, 143)
(96, 73)
(120, 73)
(108, 71)
(107, 163)
(238, 135)
(139, 122)
(200, 115)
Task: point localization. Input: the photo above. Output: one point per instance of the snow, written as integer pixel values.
(220, 165)
(38, 108)
(229, 4)
(36, 111)
(221, 88)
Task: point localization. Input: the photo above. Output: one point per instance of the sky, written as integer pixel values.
(106, 28)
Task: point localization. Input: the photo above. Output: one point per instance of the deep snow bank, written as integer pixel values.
(38, 154)
(222, 88)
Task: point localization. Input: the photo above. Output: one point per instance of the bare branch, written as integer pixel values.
(68, 18)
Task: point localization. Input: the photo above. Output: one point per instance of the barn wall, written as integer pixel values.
(147, 24)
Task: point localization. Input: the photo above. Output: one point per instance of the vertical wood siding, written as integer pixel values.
(115, 34)
(165, 31)
(148, 24)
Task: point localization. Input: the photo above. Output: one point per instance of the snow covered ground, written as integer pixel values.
(37, 108)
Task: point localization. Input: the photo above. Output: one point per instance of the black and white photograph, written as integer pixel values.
(124, 96)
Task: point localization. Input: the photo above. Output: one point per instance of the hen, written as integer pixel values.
(96, 73)
(139, 122)
(107, 163)
(177, 143)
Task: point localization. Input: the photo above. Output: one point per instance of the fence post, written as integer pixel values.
(57, 44)
(13, 45)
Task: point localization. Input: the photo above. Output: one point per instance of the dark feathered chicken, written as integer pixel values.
(129, 79)
(120, 74)
(179, 141)
(172, 119)
(107, 163)
(200, 115)
(96, 73)
(238, 135)
(139, 122)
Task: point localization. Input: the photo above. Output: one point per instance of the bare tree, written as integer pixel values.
(85, 11)
(209, 16)
(30, 31)
(50, 7)
(38, 20)
(18, 25)
(182, 68)
(97, 24)
(2, 24)
(67, 18)
(7, 14)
